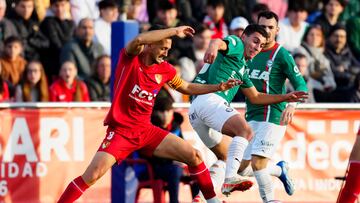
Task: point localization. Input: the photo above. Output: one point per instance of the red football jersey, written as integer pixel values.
(59, 92)
(135, 88)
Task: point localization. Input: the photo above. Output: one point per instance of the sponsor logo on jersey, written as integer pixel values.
(105, 144)
(269, 63)
(258, 74)
(158, 78)
(142, 95)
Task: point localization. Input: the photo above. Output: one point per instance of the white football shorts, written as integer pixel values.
(267, 137)
(207, 115)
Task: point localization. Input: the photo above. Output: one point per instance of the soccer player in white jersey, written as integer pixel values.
(210, 115)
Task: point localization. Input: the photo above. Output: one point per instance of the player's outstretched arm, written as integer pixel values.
(256, 97)
(212, 50)
(135, 46)
(195, 88)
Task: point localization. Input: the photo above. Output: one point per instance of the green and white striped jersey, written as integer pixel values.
(268, 71)
(228, 64)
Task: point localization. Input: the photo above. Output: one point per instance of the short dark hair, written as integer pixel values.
(104, 4)
(337, 26)
(55, 1)
(268, 15)
(163, 104)
(164, 5)
(259, 7)
(298, 5)
(157, 27)
(299, 55)
(341, 2)
(215, 3)
(13, 39)
(252, 28)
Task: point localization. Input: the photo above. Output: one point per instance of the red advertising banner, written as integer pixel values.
(42, 150)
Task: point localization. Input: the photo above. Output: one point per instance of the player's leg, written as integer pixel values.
(173, 147)
(217, 143)
(351, 190)
(213, 115)
(100, 164)
(237, 128)
(267, 137)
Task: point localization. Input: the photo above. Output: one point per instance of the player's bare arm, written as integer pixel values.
(256, 97)
(212, 50)
(194, 88)
(135, 46)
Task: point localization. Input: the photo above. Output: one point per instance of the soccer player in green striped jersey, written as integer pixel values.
(210, 114)
(268, 71)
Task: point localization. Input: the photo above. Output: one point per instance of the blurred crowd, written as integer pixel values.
(59, 50)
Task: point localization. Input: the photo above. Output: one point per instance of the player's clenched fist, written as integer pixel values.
(229, 84)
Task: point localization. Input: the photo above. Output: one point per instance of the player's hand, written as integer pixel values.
(287, 115)
(211, 53)
(296, 96)
(184, 31)
(229, 84)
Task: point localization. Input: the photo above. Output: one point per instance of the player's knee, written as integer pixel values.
(258, 163)
(194, 158)
(248, 133)
(92, 175)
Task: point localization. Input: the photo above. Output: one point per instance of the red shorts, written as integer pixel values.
(122, 142)
(358, 133)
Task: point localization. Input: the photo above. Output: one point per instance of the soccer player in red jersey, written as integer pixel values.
(350, 192)
(140, 74)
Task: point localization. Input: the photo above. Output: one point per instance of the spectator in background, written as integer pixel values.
(330, 15)
(258, 8)
(293, 27)
(28, 28)
(41, 7)
(167, 15)
(7, 28)
(355, 97)
(59, 29)
(12, 63)
(108, 13)
(82, 50)
(353, 31)
(99, 83)
(303, 66)
(343, 64)
(137, 10)
(68, 88)
(165, 117)
(321, 76)
(81, 9)
(238, 25)
(4, 90)
(34, 86)
(278, 7)
(193, 61)
(215, 18)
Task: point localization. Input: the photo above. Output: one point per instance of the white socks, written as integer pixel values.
(266, 189)
(247, 171)
(235, 155)
(273, 170)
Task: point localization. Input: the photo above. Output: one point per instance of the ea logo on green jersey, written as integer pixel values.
(269, 63)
